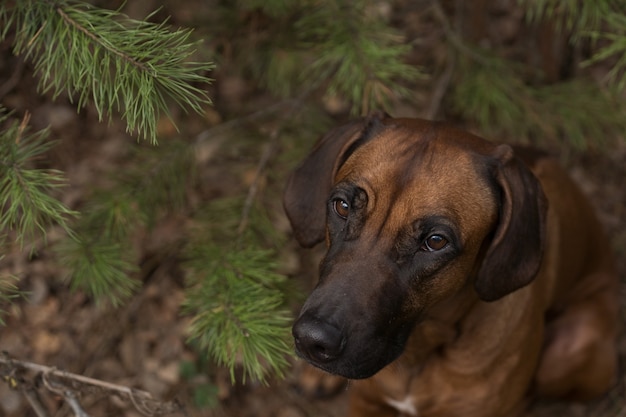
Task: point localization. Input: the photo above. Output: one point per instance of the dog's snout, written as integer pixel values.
(317, 340)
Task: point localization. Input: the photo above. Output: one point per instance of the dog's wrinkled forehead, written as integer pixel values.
(389, 149)
(420, 170)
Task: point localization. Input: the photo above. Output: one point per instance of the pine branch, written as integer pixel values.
(359, 56)
(235, 299)
(344, 48)
(100, 266)
(100, 257)
(573, 16)
(601, 20)
(493, 92)
(495, 96)
(615, 48)
(237, 307)
(100, 56)
(25, 191)
(581, 112)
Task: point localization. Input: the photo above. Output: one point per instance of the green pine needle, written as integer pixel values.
(359, 54)
(234, 294)
(493, 93)
(112, 213)
(98, 255)
(101, 56)
(584, 114)
(573, 16)
(27, 205)
(238, 309)
(100, 267)
(8, 292)
(614, 48)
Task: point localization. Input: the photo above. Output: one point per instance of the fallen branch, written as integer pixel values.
(70, 386)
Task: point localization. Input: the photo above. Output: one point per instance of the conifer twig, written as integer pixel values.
(98, 40)
(105, 58)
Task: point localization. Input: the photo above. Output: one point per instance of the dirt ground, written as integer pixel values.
(143, 344)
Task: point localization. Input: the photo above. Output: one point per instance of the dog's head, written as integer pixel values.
(411, 211)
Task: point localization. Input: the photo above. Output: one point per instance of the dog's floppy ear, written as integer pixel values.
(307, 189)
(514, 256)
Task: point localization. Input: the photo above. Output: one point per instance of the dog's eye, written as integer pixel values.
(434, 243)
(342, 208)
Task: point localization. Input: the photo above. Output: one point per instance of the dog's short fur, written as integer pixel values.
(460, 277)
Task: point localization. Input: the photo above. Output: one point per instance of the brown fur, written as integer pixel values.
(522, 299)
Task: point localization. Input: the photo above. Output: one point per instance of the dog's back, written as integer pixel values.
(580, 359)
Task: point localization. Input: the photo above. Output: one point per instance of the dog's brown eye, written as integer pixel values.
(342, 208)
(434, 243)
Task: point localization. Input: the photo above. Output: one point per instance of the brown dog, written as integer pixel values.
(460, 276)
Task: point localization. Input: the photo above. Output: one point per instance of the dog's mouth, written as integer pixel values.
(348, 354)
(351, 368)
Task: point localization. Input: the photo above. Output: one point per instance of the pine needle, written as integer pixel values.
(238, 310)
(100, 267)
(99, 256)
(614, 48)
(571, 15)
(27, 205)
(493, 93)
(8, 292)
(234, 294)
(103, 57)
(359, 56)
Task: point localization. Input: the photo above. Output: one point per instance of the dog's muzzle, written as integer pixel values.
(317, 341)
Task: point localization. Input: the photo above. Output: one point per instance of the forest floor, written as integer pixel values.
(143, 344)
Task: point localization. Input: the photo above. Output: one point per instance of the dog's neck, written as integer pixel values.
(439, 327)
(430, 336)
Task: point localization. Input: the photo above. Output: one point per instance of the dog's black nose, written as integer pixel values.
(317, 340)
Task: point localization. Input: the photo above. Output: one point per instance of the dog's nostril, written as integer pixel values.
(317, 340)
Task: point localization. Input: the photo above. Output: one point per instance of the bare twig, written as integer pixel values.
(441, 87)
(33, 400)
(292, 105)
(68, 375)
(231, 124)
(452, 36)
(68, 395)
(68, 384)
(70, 398)
(269, 150)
